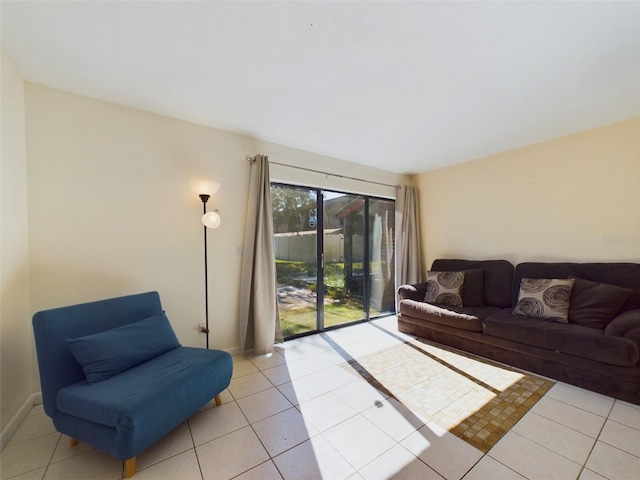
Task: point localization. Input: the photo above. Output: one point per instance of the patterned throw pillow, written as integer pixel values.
(545, 298)
(445, 288)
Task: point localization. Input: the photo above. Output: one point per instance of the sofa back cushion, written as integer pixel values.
(595, 304)
(626, 275)
(105, 354)
(497, 277)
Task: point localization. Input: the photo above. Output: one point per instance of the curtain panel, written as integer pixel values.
(259, 318)
(408, 243)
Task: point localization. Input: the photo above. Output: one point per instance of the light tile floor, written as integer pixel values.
(297, 415)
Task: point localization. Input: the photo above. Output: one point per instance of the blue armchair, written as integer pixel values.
(113, 374)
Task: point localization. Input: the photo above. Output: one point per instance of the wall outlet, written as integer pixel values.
(239, 250)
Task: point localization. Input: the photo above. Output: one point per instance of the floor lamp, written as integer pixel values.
(211, 219)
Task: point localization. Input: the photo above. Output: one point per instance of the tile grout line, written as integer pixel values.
(596, 438)
(46, 469)
(566, 426)
(593, 394)
(501, 463)
(320, 433)
(195, 451)
(606, 419)
(256, 433)
(295, 407)
(9, 444)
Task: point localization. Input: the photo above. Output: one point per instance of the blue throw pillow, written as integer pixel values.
(105, 354)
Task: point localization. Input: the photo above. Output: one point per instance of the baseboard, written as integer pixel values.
(233, 351)
(14, 423)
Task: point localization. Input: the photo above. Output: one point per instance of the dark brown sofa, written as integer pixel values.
(599, 351)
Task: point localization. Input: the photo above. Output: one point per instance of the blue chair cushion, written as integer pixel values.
(105, 354)
(149, 400)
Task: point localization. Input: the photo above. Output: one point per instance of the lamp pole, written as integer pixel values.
(205, 189)
(205, 198)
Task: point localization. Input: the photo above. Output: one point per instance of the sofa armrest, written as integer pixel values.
(626, 325)
(414, 292)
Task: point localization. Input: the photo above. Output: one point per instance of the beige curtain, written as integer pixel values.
(259, 319)
(408, 244)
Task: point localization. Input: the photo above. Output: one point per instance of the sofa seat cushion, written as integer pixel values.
(465, 318)
(571, 339)
(158, 394)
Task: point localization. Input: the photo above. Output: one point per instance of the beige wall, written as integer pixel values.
(576, 198)
(111, 211)
(16, 339)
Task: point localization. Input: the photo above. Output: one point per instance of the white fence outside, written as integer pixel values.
(302, 247)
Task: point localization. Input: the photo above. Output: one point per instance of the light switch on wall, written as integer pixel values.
(239, 249)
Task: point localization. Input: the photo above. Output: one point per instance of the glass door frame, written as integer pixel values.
(320, 263)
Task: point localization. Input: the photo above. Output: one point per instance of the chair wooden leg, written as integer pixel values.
(218, 400)
(73, 442)
(130, 467)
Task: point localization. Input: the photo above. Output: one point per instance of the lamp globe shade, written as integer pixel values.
(211, 219)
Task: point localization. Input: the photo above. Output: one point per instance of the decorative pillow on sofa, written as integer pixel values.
(594, 304)
(545, 298)
(444, 288)
(105, 354)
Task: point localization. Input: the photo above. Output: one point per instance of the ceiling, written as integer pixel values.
(404, 86)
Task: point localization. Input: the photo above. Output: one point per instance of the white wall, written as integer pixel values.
(575, 198)
(16, 338)
(111, 211)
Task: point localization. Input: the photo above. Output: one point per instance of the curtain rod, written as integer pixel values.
(251, 159)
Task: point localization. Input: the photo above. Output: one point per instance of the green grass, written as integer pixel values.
(286, 268)
(303, 320)
(343, 310)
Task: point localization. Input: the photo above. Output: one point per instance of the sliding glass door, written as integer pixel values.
(382, 291)
(295, 225)
(343, 255)
(334, 257)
